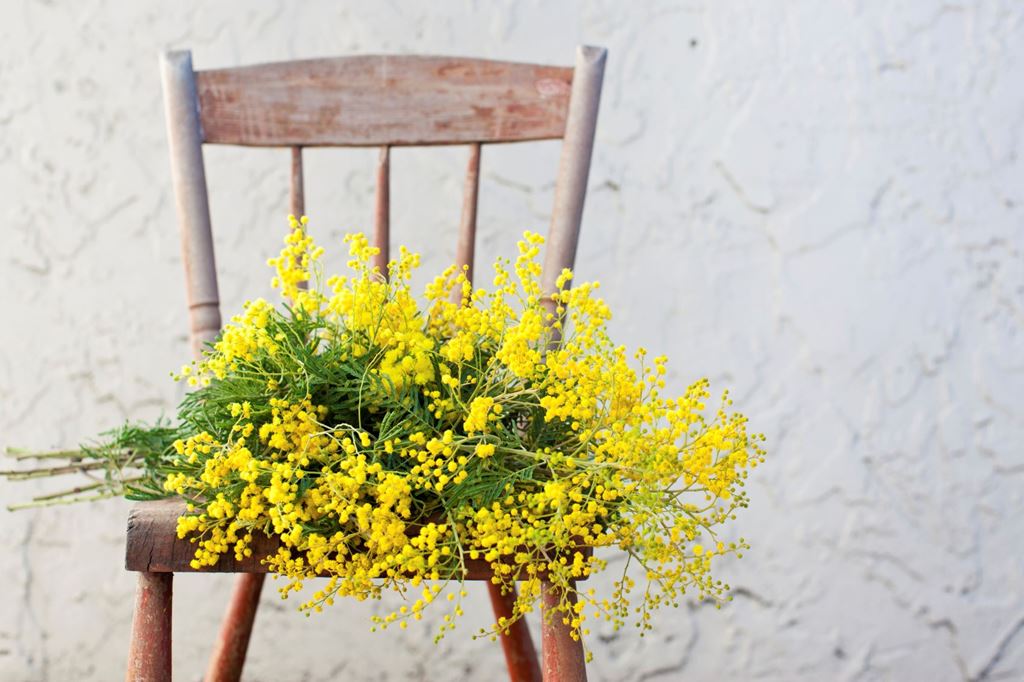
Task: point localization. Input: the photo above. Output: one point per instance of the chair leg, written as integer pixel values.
(563, 656)
(228, 655)
(520, 656)
(149, 658)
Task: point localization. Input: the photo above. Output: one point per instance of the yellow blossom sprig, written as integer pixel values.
(388, 441)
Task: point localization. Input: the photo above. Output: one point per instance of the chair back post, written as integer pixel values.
(188, 175)
(574, 166)
(562, 652)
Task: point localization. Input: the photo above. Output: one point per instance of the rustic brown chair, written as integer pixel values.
(379, 101)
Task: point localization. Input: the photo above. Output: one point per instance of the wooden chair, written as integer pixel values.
(380, 101)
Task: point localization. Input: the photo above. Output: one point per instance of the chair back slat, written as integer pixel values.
(297, 192)
(378, 100)
(189, 179)
(466, 245)
(382, 210)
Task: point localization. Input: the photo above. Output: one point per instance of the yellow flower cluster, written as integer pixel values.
(390, 444)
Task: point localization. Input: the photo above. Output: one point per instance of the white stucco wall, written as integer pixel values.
(818, 204)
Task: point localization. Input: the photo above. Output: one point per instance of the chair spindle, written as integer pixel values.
(382, 210)
(467, 227)
(297, 194)
(296, 197)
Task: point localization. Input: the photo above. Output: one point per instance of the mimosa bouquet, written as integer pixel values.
(386, 442)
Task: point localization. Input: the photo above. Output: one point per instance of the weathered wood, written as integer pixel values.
(382, 210)
(188, 176)
(383, 100)
(564, 659)
(149, 657)
(228, 657)
(466, 246)
(297, 191)
(520, 654)
(574, 167)
(153, 546)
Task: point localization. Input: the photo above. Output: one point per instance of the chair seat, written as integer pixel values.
(154, 546)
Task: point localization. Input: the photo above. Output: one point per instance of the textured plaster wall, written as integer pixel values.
(818, 204)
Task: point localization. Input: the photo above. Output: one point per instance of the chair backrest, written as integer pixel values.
(382, 101)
